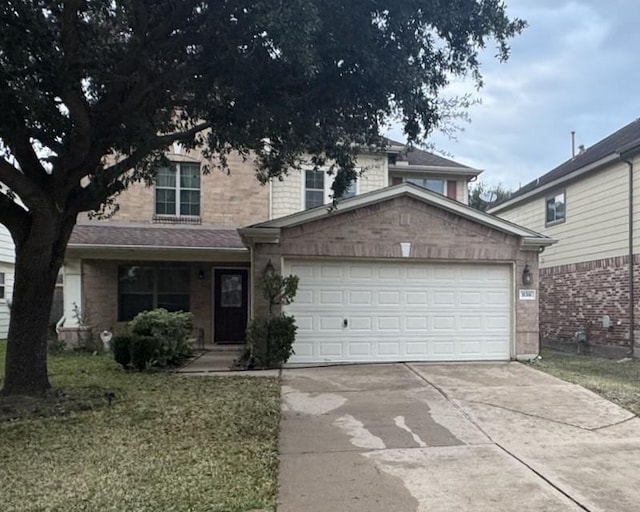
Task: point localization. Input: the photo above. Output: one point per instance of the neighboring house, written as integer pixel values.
(404, 272)
(590, 204)
(7, 264)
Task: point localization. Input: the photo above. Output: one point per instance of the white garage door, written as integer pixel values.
(399, 311)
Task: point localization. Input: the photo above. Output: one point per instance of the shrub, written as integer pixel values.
(158, 338)
(121, 346)
(271, 341)
(171, 330)
(145, 351)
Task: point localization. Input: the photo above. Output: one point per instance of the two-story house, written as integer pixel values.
(590, 204)
(402, 270)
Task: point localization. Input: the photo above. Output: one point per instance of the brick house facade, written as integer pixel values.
(175, 244)
(591, 205)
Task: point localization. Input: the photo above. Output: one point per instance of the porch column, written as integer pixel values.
(72, 291)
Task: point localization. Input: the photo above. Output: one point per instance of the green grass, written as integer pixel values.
(168, 443)
(618, 381)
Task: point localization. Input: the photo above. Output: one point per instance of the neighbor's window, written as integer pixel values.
(314, 189)
(144, 288)
(2, 286)
(178, 190)
(556, 208)
(437, 186)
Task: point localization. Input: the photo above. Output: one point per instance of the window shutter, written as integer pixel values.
(452, 189)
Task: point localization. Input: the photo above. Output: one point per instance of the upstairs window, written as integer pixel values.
(555, 209)
(317, 188)
(178, 190)
(314, 194)
(434, 185)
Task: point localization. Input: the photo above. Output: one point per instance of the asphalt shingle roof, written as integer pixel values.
(118, 235)
(416, 156)
(618, 140)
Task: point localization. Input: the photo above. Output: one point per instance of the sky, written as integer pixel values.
(576, 67)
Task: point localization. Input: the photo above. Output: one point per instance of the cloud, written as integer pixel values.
(572, 69)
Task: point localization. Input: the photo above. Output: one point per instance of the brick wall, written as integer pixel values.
(376, 231)
(575, 298)
(100, 294)
(226, 199)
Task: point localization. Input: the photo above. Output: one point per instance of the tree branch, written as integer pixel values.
(72, 94)
(15, 180)
(160, 142)
(14, 217)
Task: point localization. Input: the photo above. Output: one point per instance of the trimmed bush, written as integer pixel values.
(271, 340)
(145, 351)
(158, 338)
(121, 346)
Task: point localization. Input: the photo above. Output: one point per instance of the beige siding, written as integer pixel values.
(636, 205)
(596, 223)
(287, 195)
(462, 191)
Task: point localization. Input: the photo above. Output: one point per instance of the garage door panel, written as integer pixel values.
(442, 298)
(401, 311)
(331, 298)
(360, 271)
(416, 323)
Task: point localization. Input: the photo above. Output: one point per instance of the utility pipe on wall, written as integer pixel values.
(631, 273)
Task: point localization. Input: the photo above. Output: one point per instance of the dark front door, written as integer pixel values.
(231, 309)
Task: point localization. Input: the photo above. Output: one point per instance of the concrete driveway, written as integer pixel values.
(443, 438)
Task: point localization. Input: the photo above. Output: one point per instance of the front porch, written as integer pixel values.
(203, 271)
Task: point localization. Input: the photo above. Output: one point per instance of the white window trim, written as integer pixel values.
(178, 188)
(328, 182)
(563, 193)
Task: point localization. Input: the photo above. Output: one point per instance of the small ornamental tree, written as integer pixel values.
(92, 92)
(271, 339)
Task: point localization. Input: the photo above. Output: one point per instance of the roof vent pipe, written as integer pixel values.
(573, 143)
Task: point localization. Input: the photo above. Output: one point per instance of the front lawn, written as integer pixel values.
(168, 442)
(618, 381)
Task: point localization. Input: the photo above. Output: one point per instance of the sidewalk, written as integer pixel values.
(220, 361)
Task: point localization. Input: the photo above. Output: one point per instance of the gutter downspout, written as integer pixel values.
(632, 301)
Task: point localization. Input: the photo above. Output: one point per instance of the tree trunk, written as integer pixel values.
(38, 261)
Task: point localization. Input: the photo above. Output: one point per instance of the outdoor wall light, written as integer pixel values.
(201, 274)
(269, 268)
(527, 278)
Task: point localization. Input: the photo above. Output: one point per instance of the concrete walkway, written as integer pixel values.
(443, 438)
(219, 361)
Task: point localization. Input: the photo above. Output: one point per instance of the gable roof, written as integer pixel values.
(601, 153)
(271, 228)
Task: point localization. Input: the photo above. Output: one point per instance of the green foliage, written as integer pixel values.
(121, 346)
(278, 290)
(147, 351)
(158, 338)
(271, 339)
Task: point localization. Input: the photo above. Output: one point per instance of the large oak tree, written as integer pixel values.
(84, 80)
